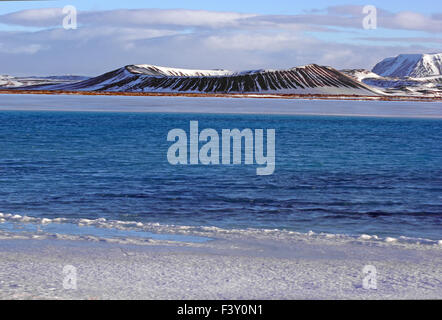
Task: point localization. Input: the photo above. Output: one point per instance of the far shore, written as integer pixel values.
(218, 104)
(228, 95)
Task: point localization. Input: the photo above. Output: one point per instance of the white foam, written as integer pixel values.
(87, 221)
(216, 232)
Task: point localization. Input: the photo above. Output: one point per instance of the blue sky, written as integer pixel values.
(210, 34)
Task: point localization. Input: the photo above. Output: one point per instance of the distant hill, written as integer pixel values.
(410, 65)
(7, 81)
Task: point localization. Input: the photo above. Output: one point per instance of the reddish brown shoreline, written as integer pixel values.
(227, 95)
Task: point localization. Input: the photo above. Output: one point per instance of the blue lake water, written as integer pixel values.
(348, 175)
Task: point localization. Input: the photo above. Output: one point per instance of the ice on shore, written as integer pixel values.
(247, 267)
(116, 260)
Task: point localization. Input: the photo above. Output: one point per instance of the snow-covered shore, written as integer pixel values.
(230, 267)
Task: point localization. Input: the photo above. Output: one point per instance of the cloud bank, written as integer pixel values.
(207, 39)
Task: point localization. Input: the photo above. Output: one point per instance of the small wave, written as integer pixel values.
(160, 232)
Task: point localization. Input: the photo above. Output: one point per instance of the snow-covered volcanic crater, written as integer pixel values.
(404, 75)
(309, 79)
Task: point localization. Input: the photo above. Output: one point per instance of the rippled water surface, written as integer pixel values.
(347, 175)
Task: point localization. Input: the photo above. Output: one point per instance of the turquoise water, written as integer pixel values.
(345, 175)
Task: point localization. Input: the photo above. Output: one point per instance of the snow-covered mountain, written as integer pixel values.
(410, 65)
(405, 86)
(406, 74)
(7, 81)
(360, 74)
(309, 79)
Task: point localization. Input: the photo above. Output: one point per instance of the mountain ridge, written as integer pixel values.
(410, 65)
(405, 74)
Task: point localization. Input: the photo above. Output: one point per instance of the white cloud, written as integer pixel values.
(51, 17)
(35, 17)
(20, 49)
(349, 16)
(414, 21)
(253, 41)
(199, 39)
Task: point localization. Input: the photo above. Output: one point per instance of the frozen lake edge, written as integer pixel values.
(219, 105)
